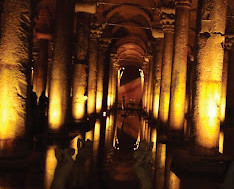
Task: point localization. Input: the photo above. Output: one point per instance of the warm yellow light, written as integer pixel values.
(108, 132)
(207, 121)
(221, 139)
(165, 107)
(99, 102)
(162, 156)
(223, 109)
(78, 109)
(55, 109)
(156, 106)
(50, 165)
(154, 139)
(10, 121)
(174, 181)
(73, 144)
(91, 103)
(97, 131)
(89, 135)
(177, 112)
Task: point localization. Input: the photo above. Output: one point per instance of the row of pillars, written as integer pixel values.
(207, 80)
(54, 71)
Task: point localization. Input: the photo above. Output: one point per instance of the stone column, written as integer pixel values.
(15, 70)
(158, 51)
(227, 47)
(145, 87)
(103, 46)
(209, 65)
(167, 18)
(59, 89)
(110, 83)
(35, 57)
(179, 68)
(115, 83)
(49, 65)
(79, 81)
(95, 33)
(40, 68)
(150, 85)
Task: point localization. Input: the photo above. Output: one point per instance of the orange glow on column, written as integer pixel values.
(96, 139)
(55, 116)
(89, 135)
(164, 107)
(78, 109)
(11, 124)
(207, 120)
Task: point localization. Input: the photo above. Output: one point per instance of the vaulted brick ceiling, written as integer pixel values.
(129, 24)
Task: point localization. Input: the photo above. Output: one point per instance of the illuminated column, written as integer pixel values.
(49, 65)
(179, 68)
(209, 65)
(103, 46)
(110, 95)
(227, 47)
(158, 51)
(168, 18)
(40, 68)
(150, 86)
(95, 33)
(35, 56)
(115, 83)
(14, 73)
(145, 87)
(59, 90)
(79, 81)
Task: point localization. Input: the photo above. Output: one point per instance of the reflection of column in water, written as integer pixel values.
(154, 140)
(174, 181)
(108, 133)
(89, 135)
(115, 139)
(73, 144)
(160, 165)
(96, 139)
(221, 139)
(50, 166)
(142, 129)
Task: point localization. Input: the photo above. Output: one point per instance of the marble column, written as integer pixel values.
(115, 83)
(15, 45)
(40, 68)
(79, 81)
(227, 47)
(59, 89)
(158, 52)
(103, 46)
(95, 33)
(167, 18)
(208, 82)
(179, 68)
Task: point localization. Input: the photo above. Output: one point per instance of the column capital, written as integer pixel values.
(96, 30)
(167, 18)
(183, 3)
(35, 53)
(229, 40)
(104, 43)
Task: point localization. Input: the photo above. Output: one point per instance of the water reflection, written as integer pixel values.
(107, 161)
(50, 165)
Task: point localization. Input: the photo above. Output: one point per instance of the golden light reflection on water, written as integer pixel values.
(50, 165)
(221, 140)
(174, 181)
(96, 138)
(73, 144)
